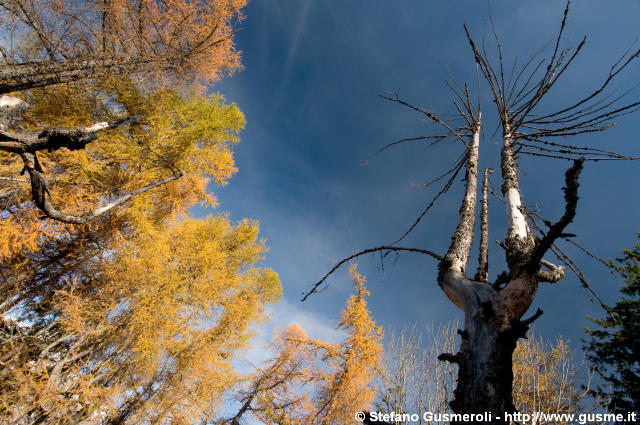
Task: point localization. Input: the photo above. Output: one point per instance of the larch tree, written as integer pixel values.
(494, 310)
(115, 305)
(138, 313)
(311, 382)
(45, 42)
(176, 43)
(77, 176)
(346, 387)
(550, 378)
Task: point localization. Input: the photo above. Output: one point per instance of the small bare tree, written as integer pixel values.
(414, 380)
(548, 377)
(494, 310)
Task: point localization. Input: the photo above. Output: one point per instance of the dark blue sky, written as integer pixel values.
(311, 70)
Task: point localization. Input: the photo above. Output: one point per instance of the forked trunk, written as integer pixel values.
(492, 313)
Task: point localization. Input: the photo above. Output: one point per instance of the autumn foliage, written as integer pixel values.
(311, 382)
(193, 135)
(547, 377)
(133, 311)
(52, 41)
(347, 386)
(140, 312)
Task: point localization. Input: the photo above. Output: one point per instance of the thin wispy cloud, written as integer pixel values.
(297, 34)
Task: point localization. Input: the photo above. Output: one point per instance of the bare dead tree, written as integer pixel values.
(494, 311)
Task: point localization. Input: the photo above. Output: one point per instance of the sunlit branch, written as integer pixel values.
(553, 273)
(40, 193)
(458, 252)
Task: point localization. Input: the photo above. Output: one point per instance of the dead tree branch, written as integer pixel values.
(451, 270)
(27, 145)
(428, 114)
(553, 273)
(52, 139)
(482, 275)
(571, 203)
(340, 263)
(455, 170)
(39, 192)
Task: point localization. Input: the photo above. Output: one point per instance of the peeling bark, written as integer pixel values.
(451, 271)
(492, 316)
(485, 361)
(518, 230)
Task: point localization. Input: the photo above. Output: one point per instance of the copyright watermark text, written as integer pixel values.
(526, 418)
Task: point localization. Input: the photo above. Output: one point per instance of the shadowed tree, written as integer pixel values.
(613, 347)
(494, 310)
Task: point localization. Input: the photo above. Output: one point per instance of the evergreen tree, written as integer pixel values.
(614, 348)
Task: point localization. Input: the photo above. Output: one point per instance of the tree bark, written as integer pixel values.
(485, 361)
(25, 76)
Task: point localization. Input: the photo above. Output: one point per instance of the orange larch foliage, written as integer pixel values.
(139, 313)
(347, 386)
(311, 382)
(183, 40)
